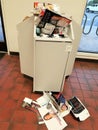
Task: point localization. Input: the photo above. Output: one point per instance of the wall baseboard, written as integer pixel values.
(82, 55)
(13, 53)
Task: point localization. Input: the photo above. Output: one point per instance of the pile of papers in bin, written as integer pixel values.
(50, 21)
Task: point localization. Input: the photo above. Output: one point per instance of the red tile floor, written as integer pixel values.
(83, 83)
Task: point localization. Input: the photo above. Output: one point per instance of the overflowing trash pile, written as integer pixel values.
(51, 109)
(49, 21)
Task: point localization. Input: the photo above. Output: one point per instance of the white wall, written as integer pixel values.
(15, 10)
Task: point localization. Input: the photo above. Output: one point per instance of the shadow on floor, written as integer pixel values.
(2, 55)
